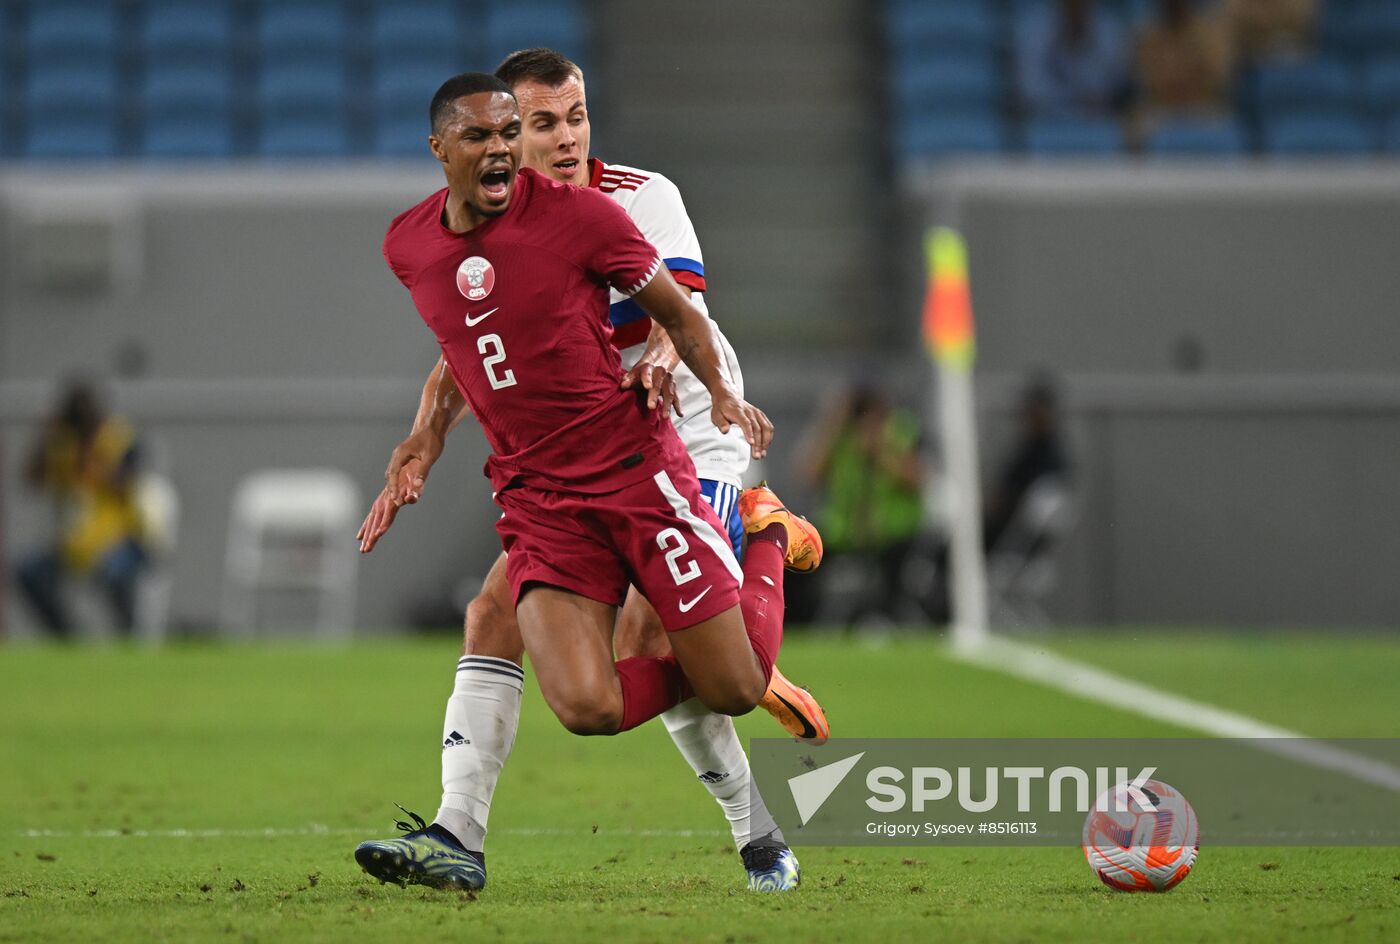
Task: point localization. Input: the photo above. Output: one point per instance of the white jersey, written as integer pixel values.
(655, 205)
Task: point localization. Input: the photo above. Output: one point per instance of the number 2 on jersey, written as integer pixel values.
(495, 351)
(665, 540)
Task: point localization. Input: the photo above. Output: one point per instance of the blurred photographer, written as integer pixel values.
(85, 463)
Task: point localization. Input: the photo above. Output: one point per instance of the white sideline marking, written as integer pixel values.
(1094, 684)
(315, 829)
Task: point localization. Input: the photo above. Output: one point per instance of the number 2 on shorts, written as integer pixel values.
(674, 544)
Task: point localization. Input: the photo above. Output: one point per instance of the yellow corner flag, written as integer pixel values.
(948, 331)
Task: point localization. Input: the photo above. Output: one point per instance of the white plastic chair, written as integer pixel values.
(292, 530)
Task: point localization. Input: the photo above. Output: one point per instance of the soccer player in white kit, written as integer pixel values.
(483, 712)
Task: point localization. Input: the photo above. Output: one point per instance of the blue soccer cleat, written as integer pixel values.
(771, 865)
(428, 855)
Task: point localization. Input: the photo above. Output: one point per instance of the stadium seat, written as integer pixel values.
(292, 30)
(1382, 86)
(170, 88)
(417, 28)
(70, 30)
(927, 84)
(1319, 135)
(89, 135)
(519, 24)
(208, 135)
(186, 30)
(409, 86)
(1184, 137)
(302, 86)
(949, 135)
(401, 136)
(1052, 137)
(1319, 87)
(52, 90)
(942, 25)
(318, 135)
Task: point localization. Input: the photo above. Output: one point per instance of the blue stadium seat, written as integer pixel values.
(946, 25)
(1318, 135)
(309, 86)
(402, 136)
(1052, 137)
(950, 135)
(1318, 87)
(321, 136)
(1184, 137)
(90, 135)
(410, 85)
(512, 25)
(52, 90)
(947, 83)
(1382, 85)
(196, 30)
(420, 27)
(71, 29)
(1391, 136)
(302, 28)
(207, 135)
(187, 88)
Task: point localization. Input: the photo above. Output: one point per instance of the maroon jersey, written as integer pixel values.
(519, 306)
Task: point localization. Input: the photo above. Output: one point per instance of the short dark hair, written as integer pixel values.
(468, 83)
(538, 64)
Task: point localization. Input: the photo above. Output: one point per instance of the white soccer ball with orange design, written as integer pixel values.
(1141, 839)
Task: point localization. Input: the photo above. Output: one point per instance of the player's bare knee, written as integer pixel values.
(737, 698)
(588, 718)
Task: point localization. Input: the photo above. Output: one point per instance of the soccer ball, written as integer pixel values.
(1141, 849)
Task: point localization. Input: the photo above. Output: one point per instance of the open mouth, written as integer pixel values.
(566, 168)
(496, 182)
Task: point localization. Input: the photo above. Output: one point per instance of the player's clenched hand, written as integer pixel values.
(659, 384)
(730, 409)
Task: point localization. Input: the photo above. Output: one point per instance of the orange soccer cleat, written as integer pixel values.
(759, 507)
(796, 710)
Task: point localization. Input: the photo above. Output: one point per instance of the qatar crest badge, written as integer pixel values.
(475, 278)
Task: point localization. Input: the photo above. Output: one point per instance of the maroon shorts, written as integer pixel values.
(659, 535)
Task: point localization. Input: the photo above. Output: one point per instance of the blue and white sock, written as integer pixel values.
(478, 733)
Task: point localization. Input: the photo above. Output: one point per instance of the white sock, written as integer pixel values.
(478, 732)
(711, 746)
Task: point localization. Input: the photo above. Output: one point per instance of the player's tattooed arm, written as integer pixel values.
(695, 338)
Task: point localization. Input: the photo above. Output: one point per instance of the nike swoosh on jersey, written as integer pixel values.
(473, 322)
(687, 605)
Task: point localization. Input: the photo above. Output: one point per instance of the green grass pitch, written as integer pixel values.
(215, 793)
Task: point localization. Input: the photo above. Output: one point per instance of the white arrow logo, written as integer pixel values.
(812, 789)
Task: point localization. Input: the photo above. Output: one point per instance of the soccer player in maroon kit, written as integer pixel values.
(511, 271)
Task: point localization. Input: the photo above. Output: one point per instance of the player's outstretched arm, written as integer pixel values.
(694, 337)
(441, 407)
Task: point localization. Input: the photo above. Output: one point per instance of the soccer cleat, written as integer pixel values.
(428, 855)
(771, 865)
(795, 709)
(759, 507)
